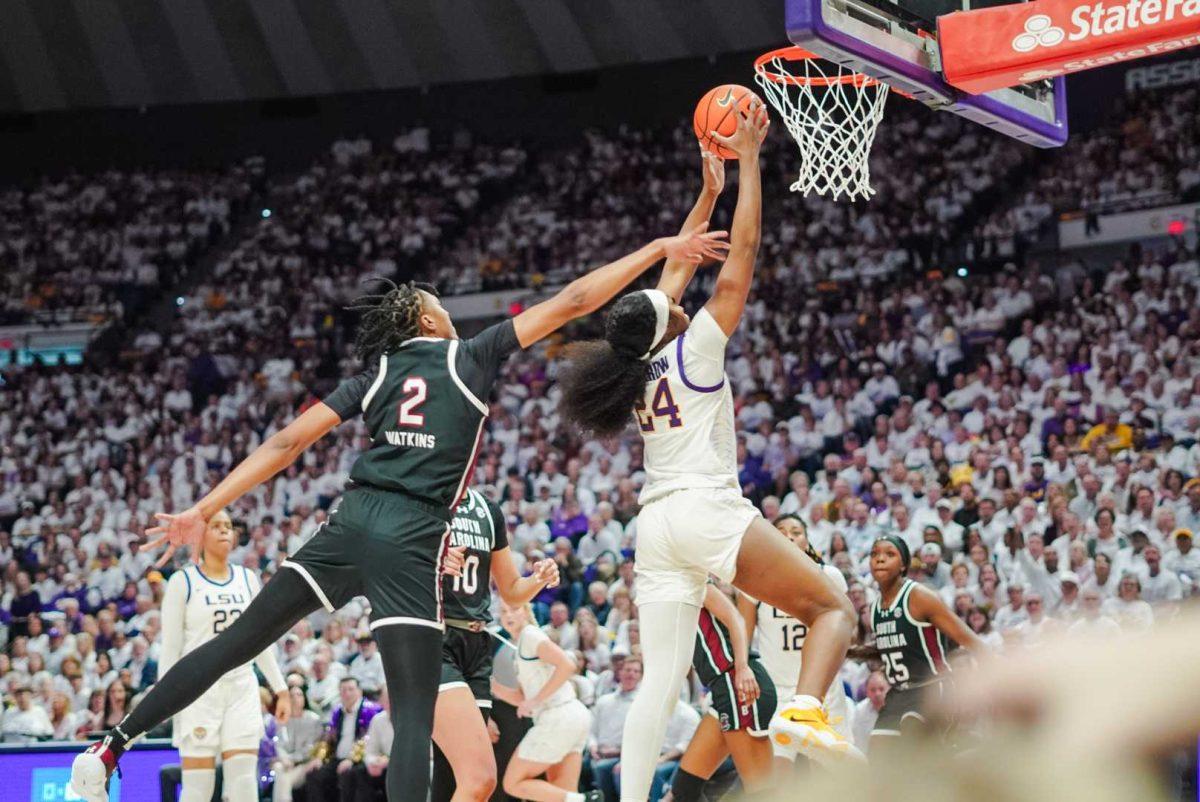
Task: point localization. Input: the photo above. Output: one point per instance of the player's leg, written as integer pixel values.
(285, 600)
(668, 633)
(753, 758)
(239, 775)
(199, 778)
(705, 753)
(670, 592)
(565, 773)
(771, 569)
(412, 657)
(460, 733)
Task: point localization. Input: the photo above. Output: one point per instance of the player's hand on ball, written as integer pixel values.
(283, 707)
(184, 529)
(752, 126)
(713, 170)
(546, 572)
(746, 684)
(452, 563)
(697, 245)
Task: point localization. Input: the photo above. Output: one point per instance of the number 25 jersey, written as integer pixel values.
(686, 414)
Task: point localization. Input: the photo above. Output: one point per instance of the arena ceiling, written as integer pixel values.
(121, 53)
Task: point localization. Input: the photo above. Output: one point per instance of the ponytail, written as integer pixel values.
(603, 379)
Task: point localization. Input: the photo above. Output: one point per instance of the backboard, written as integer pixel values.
(896, 43)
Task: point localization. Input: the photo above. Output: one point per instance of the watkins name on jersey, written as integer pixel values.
(411, 439)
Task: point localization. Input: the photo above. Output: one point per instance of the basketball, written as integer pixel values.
(715, 112)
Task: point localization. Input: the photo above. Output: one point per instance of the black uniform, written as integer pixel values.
(713, 660)
(914, 656)
(467, 652)
(423, 407)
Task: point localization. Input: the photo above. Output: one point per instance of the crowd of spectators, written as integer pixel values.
(1144, 157)
(1030, 433)
(90, 247)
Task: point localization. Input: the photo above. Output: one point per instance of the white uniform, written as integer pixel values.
(694, 515)
(561, 725)
(780, 639)
(228, 716)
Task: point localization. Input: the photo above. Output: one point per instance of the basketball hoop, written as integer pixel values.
(831, 112)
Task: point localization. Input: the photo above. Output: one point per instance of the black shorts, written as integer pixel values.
(902, 709)
(382, 545)
(753, 717)
(467, 661)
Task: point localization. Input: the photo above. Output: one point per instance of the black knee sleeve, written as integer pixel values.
(687, 787)
(282, 602)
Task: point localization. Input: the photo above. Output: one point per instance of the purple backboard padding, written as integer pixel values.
(807, 28)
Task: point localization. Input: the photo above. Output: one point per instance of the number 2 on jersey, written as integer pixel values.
(661, 406)
(416, 389)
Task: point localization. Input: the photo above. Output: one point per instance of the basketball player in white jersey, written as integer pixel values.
(694, 521)
(553, 747)
(200, 602)
(779, 637)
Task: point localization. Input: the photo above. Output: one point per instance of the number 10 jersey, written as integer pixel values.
(686, 414)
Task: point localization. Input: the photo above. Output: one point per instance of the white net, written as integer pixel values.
(832, 113)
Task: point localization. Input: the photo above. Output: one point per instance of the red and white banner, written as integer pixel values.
(990, 48)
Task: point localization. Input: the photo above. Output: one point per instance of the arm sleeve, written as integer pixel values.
(499, 524)
(173, 607)
(481, 357)
(704, 351)
(347, 399)
(266, 662)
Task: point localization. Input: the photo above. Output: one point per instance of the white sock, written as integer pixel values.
(574, 797)
(804, 701)
(668, 638)
(198, 785)
(239, 778)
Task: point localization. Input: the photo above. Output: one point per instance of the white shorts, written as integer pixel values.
(685, 536)
(227, 717)
(556, 733)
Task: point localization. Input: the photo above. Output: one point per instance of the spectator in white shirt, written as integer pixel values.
(1159, 585)
(1128, 608)
(25, 722)
(1013, 613)
(608, 726)
(560, 629)
(866, 712)
(367, 667)
(1092, 621)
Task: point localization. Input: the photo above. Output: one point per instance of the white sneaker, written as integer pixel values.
(90, 772)
(805, 730)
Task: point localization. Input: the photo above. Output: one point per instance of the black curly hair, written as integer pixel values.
(390, 319)
(603, 379)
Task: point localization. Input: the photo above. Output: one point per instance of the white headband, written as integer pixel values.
(662, 313)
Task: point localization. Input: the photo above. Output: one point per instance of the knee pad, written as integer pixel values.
(198, 785)
(239, 778)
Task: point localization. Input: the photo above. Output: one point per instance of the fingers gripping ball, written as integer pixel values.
(716, 111)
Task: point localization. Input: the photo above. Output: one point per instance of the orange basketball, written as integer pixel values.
(715, 112)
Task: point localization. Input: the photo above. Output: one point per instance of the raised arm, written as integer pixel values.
(677, 273)
(276, 453)
(588, 293)
(733, 282)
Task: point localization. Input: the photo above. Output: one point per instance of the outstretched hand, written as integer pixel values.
(184, 529)
(752, 126)
(697, 245)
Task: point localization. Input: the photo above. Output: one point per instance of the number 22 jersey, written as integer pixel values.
(686, 414)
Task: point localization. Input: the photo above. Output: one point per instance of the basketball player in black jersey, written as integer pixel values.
(422, 399)
(464, 766)
(910, 623)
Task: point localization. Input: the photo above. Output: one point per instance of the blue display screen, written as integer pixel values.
(40, 773)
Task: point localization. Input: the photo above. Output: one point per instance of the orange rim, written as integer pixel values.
(857, 79)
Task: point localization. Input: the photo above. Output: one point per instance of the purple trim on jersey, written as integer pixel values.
(683, 375)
